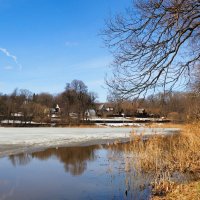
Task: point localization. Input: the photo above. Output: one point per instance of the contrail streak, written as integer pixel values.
(14, 58)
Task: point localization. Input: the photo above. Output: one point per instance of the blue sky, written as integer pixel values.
(46, 43)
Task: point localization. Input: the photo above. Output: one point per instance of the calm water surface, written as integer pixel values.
(93, 172)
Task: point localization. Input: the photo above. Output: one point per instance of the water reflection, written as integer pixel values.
(93, 172)
(20, 159)
(74, 158)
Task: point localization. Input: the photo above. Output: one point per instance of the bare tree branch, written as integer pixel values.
(155, 44)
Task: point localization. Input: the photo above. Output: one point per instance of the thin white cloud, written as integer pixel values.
(102, 62)
(71, 44)
(13, 57)
(8, 67)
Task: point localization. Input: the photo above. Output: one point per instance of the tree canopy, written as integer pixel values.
(156, 45)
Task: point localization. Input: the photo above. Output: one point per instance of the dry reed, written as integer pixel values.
(163, 156)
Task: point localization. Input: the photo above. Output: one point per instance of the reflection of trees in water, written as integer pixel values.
(118, 161)
(74, 158)
(134, 183)
(20, 159)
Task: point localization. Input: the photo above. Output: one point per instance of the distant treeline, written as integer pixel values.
(177, 106)
(23, 107)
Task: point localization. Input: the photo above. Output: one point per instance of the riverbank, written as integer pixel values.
(164, 163)
(172, 161)
(16, 140)
(188, 191)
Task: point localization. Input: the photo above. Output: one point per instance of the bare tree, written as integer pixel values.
(76, 98)
(78, 86)
(45, 99)
(156, 44)
(195, 83)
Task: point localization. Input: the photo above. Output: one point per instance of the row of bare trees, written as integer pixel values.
(24, 106)
(177, 106)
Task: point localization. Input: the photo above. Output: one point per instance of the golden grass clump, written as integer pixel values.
(162, 156)
(190, 191)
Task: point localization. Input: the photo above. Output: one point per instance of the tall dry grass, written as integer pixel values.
(163, 156)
